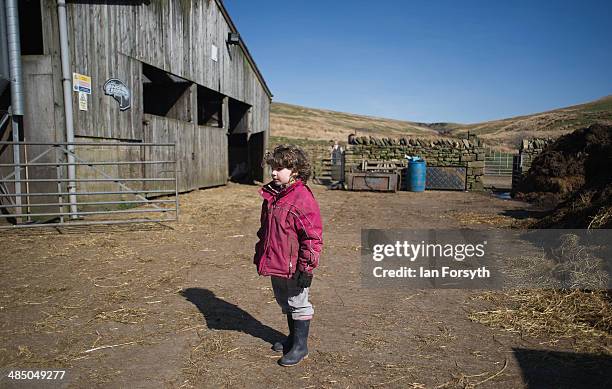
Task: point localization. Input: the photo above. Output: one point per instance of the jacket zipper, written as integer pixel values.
(269, 228)
(290, 257)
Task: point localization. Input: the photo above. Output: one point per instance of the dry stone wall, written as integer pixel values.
(531, 148)
(528, 151)
(436, 152)
(316, 151)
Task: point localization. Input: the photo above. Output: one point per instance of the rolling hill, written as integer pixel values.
(292, 121)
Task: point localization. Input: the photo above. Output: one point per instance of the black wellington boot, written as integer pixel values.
(286, 344)
(299, 351)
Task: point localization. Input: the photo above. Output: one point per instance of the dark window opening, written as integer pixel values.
(30, 27)
(238, 117)
(210, 107)
(165, 94)
(5, 100)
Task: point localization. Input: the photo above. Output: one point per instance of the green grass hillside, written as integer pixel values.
(292, 121)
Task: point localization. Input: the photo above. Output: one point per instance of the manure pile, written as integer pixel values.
(574, 176)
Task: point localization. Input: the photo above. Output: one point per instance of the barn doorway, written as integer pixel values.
(239, 163)
(256, 154)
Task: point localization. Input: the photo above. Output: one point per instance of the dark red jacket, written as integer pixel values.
(291, 231)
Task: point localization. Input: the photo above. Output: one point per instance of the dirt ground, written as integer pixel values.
(182, 306)
(498, 183)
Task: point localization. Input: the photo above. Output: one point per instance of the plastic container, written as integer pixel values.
(417, 174)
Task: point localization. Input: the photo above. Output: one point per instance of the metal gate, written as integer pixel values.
(329, 170)
(337, 165)
(498, 163)
(446, 178)
(106, 190)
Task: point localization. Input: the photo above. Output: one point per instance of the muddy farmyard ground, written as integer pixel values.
(182, 306)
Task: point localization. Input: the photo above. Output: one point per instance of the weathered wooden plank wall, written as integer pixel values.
(185, 108)
(38, 113)
(201, 158)
(211, 155)
(177, 36)
(112, 41)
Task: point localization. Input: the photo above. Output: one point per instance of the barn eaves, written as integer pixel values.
(229, 21)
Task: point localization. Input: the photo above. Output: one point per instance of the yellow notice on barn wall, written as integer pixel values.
(81, 83)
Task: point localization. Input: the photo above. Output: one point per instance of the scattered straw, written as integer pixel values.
(464, 381)
(124, 315)
(470, 218)
(582, 317)
(109, 346)
(602, 218)
(494, 375)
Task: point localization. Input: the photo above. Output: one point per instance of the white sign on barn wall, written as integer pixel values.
(214, 53)
(82, 101)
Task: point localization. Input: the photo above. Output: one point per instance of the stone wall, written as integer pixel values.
(528, 151)
(436, 152)
(531, 148)
(317, 151)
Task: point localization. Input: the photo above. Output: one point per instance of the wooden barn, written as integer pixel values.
(147, 71)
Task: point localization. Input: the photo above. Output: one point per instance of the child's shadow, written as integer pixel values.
(221, 315)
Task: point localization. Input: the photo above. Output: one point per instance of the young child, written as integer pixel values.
(290, 242)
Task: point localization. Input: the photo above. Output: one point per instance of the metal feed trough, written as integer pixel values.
(376, 175)
(372, 181)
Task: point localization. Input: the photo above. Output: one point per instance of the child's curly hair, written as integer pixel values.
(290, 157)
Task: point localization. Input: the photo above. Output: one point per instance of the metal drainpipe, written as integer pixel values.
(66, 83)
(4, 64)
(17, 100)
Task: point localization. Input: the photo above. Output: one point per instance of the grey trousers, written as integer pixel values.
(292, 299)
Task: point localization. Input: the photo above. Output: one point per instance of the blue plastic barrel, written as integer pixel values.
(417, 173)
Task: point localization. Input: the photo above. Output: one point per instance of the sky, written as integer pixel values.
(430, 61)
